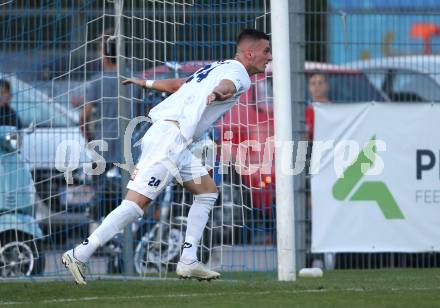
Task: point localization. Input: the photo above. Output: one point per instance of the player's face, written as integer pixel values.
(261, 55)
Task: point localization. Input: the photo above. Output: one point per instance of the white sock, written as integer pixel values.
(114, 223)
(197, 218)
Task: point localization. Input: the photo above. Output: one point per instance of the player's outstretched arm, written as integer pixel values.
(164, 85)
(225, 90)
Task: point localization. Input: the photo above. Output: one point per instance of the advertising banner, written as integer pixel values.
(375, 178)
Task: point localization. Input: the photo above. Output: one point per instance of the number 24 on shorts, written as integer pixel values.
(154, 182)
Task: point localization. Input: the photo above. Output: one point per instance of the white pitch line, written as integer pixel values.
(100, 298)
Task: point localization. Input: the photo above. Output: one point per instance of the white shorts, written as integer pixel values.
(165, 156)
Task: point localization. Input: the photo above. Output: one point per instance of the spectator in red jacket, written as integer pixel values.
(318, 90)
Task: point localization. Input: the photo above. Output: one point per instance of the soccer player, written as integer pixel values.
(196, 103)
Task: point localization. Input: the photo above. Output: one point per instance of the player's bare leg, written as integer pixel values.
(205, 194)
(132, 207)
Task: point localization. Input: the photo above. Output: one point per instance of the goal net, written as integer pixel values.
(65, 62)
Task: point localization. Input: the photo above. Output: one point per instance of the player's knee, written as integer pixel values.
(212, 188)
(141, 200)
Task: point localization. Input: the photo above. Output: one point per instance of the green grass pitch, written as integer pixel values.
(367, 288)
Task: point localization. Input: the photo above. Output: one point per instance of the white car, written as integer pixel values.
(53, 124)
(405, 78)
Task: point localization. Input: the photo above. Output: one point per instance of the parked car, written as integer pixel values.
(54, 124)
(404, 78)
(20, 234)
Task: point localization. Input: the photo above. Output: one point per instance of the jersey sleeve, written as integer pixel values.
(93, 90)
(239, 77)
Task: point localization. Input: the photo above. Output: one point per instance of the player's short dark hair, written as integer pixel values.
(252, 34)
(4, 84)
(109, 45)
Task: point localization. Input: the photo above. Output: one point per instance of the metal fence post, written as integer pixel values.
(297, 67)
(124, 116)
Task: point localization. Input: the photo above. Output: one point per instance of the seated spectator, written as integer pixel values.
(7, 114)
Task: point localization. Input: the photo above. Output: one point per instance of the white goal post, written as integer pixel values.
(285, 218)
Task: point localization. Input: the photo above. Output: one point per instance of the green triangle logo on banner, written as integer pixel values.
(368, 190)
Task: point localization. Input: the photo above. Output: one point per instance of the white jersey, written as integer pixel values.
(188, 105)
